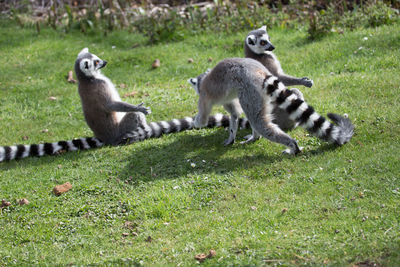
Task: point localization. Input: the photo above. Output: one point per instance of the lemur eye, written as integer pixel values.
(262, 42)
(96, 62)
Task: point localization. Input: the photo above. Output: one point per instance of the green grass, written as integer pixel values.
(251, 204)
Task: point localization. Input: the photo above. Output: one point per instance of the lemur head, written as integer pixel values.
(258, 41)
(195, 82)
(88, 65)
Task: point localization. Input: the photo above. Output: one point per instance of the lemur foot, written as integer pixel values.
(307, 82)
(249, 139)
(289, 151)
(229, 142)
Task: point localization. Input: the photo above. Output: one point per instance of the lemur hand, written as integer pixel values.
(307, 82)
(143, 109)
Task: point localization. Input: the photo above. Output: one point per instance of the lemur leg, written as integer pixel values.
(251, 137)
(272, 132)
(257, 110)
(130, 122)
(201, 118)
(235, 110)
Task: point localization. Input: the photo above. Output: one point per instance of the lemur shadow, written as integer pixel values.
(192, 154)
(196, 154)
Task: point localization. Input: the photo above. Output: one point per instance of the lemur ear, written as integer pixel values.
(83, 51)
(251, 40)
(263, 28)
(208, 71)
(192, 81)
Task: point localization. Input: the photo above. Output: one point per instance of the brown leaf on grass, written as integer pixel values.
(61, 189)
(284, 210)
(131, 94)
(125, 234)
(156, 63)
(190, 60)
(211, 253)
(23, 201)
(45, 130)
(122, 85)
(25, 137)
(52, 98)
(70, 78)
(149, 239)
(210, 59)
(5, 203)
(201, 257)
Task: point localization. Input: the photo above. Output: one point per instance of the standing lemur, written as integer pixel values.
(258, 46)
(112, 121)
(258, 92)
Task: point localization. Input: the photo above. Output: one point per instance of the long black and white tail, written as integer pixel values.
(37, 150)
(157, 129)
(153, 130)
(339, 132)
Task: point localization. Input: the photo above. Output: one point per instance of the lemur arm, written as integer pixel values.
(288, 80)
(119, 106)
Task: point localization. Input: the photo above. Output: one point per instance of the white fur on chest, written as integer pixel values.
(113, 93)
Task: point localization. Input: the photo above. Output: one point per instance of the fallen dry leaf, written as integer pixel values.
(131, 94)
(201, 257)
(25, 137)
(122, 85)
(70, 78)
(125, 234)
(156, 63)
(52, 98)
(211, 253)
(61, 189)
(5, 203)
(284, 210)
(23, 201)
(190, 60)
(149, 239)
(210, 59)
(45, 130)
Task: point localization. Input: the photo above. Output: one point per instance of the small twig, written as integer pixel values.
(387, 231)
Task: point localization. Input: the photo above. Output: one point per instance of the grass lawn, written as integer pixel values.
(146, 203)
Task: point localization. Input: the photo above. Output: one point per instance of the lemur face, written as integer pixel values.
(90, 64)
(195, 82)
(259, 42)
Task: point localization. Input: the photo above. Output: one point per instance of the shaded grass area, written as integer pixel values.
(251, 204)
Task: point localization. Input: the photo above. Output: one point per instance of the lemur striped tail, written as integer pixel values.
(154, 130)
(339, 132)
(157, 129)
(22, 151)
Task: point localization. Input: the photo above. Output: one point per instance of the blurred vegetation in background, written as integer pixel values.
(172, 20)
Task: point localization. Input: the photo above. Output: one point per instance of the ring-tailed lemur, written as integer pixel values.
(258, 46)
(258, 92)
(102, 109)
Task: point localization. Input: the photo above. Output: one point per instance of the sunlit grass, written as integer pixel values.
(251, 204)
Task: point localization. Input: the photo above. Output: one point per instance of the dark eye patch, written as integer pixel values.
(263, 42)
(86, 65)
